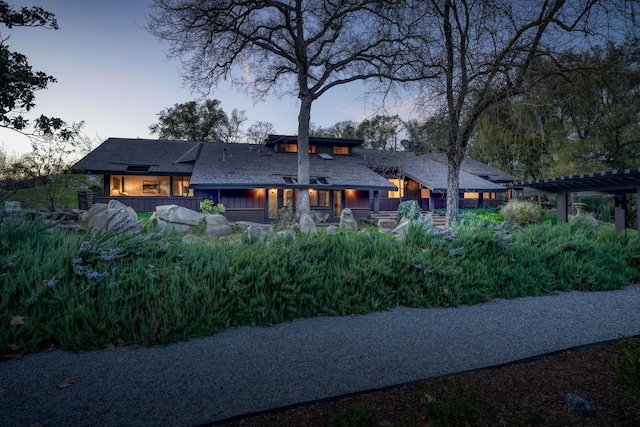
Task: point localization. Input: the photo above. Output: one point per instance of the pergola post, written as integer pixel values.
(562, 207)
(481, 200)
(620, 212)
(376, 201)
(638, 210)
(432, 201)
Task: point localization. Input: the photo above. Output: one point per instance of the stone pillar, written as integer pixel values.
(620, 212)
(563, 207)
(432, 201)
(376, 201)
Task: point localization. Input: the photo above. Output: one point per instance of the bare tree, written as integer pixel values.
(257, 132)
(301, 48)
(485, 50)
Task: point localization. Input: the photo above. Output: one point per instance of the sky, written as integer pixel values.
(114, 75)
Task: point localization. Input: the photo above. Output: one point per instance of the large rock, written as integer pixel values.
(319, 217)
(175, 214)
(580, 405)
(402, 227)
(113, 216)
(289, 233)
(347, 221)
(257, 233)
(12, 206)
(307, 225)
(217, 230)
(387, 225)
(332, 229)
(216, 219)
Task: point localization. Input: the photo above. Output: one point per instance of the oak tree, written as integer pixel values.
(301, 48)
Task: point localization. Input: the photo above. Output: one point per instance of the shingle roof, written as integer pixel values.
(115, 155)
(248, 165)
(423, 169)
(476, 168)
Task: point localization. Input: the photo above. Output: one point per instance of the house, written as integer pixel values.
(254, 181)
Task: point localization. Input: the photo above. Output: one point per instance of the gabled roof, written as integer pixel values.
(423, 169)
(476, 168)
(122, 155)
(246, 165)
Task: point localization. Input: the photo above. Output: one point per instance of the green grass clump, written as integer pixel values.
(627, 369)
(85, 291)
(521, 212)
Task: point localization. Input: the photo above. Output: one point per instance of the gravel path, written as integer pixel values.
(248, 369)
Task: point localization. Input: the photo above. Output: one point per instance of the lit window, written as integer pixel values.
(341, 150)
(399, 183)
(289, 148)
(312, 149)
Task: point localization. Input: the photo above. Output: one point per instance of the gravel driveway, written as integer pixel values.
(248, 369)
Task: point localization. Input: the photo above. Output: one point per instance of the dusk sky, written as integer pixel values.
(114, 75)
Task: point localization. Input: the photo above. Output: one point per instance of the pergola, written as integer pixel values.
(619, 183)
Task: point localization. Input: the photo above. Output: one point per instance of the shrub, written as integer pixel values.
(408, 209)
(208, 206)
(521, 212)
(628, 368)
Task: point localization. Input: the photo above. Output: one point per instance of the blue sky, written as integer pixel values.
(114, 75)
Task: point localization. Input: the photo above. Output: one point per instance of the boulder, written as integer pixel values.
(216, 219)
(286, 234)
(175, 214)
(387, 225)
(402, 227)
(12, 206)
(257, 233)
(428, 219)
(307, 225)
(113, 216)
(319, 217)
(332, 229)
(217, 230)
(580, 405)
(347, 221)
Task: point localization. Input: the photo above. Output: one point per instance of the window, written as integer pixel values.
(181, 187)
(399, 183)
(341, 150)
(323, 198)
(289, 148)
(312, 149)
(313, 197)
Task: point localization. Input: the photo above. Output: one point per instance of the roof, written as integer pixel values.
(476, 168)
(215, 165)
(222, 165)
(424, 169)
(313, 140)
(620, 181)
(249, 165)
(117, 155)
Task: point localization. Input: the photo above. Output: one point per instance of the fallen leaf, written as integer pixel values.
(13, 346)
(120, 341)
(66, 382)
(110, 346)
(17, 320)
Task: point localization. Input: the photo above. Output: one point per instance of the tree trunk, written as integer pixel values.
(453, 190)
(304, 120)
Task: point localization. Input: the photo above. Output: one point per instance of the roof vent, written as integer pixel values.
(325, 156)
